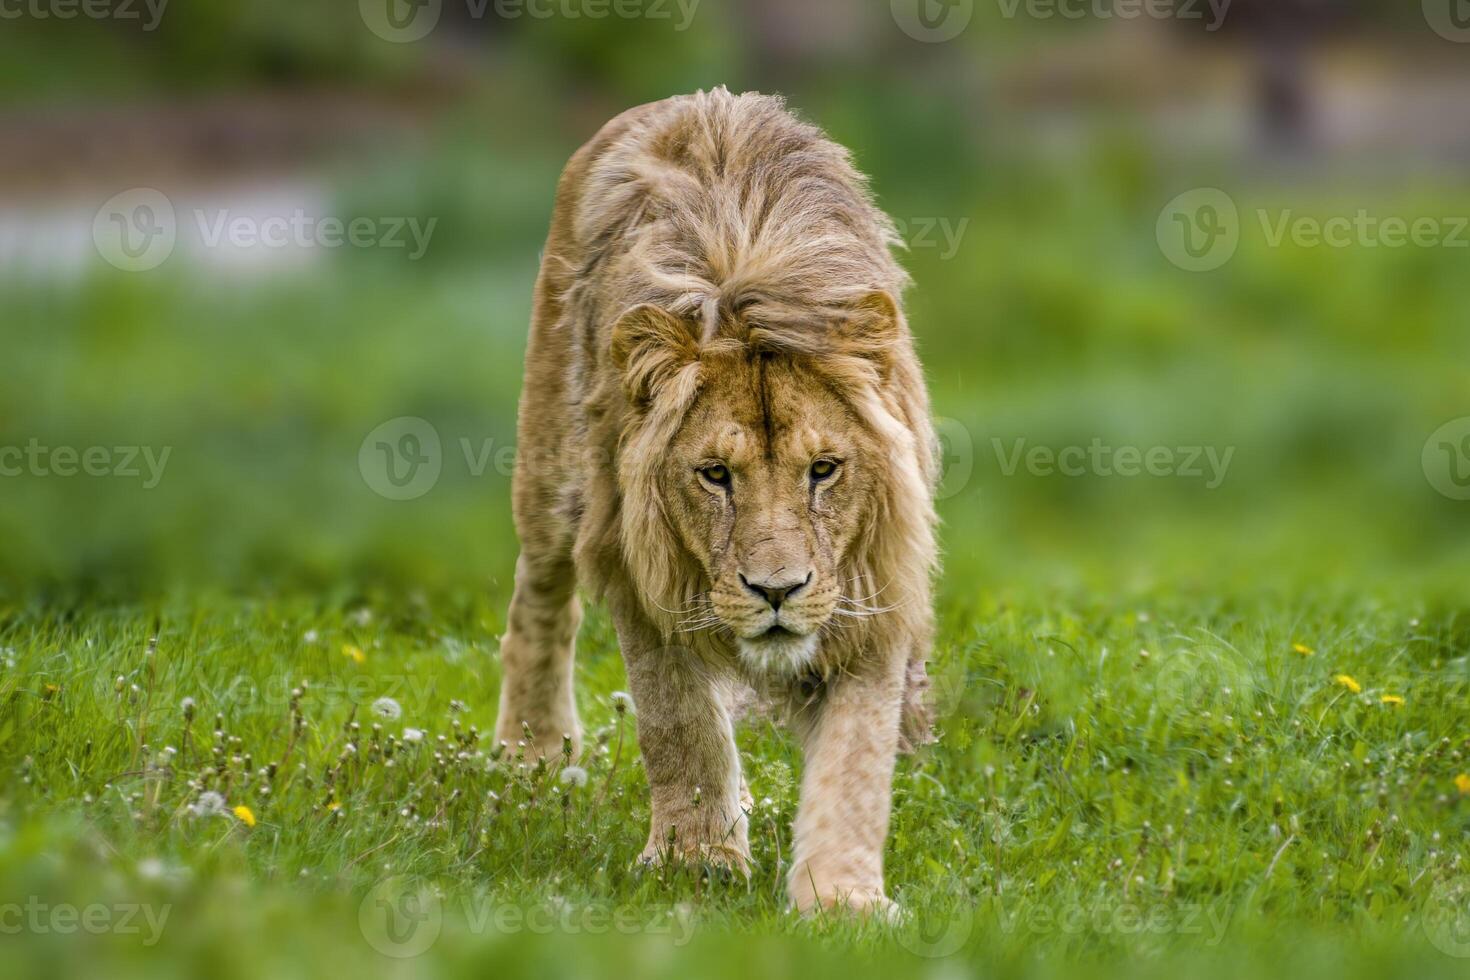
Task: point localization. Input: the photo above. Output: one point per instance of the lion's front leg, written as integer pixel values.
(846, 793)
(689, 753)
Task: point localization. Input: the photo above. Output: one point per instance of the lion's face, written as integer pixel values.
(766, 483)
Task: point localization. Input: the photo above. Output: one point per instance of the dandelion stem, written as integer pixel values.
(612, 770)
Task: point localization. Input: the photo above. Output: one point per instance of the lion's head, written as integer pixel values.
(767, 481)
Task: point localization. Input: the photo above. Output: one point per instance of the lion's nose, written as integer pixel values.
(775, 592)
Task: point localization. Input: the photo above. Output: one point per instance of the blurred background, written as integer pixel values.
(265, 273)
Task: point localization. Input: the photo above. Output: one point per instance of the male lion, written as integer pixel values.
(725, 435)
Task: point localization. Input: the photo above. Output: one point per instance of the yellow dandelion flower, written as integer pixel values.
(334, 805)
(1349, 682)
(245, 815)
(354, 653)
(1392, 699)
(1303, 649)
(1462, 783)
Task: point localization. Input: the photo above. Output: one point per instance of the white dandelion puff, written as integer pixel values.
(574, 776)
(387, 709)
(413, 735)
(209, 804)
(622, 701)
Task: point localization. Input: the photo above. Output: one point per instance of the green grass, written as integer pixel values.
(1217, 798)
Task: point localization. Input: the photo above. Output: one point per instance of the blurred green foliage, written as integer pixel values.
(1048, 315)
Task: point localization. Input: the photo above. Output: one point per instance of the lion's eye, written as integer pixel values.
(718, 474)
(823, 469)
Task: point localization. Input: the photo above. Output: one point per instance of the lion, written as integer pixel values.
(725, 436)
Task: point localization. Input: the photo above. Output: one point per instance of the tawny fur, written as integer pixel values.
(718, 281)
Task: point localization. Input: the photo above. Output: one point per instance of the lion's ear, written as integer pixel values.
(873, 329)
(649, 346)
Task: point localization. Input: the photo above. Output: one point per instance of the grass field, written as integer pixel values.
(1187, 729)
(1150, 778)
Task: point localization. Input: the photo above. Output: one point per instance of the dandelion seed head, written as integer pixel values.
(209, 804)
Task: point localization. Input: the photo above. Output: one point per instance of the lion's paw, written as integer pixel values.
(865, 903)
(715, 861)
